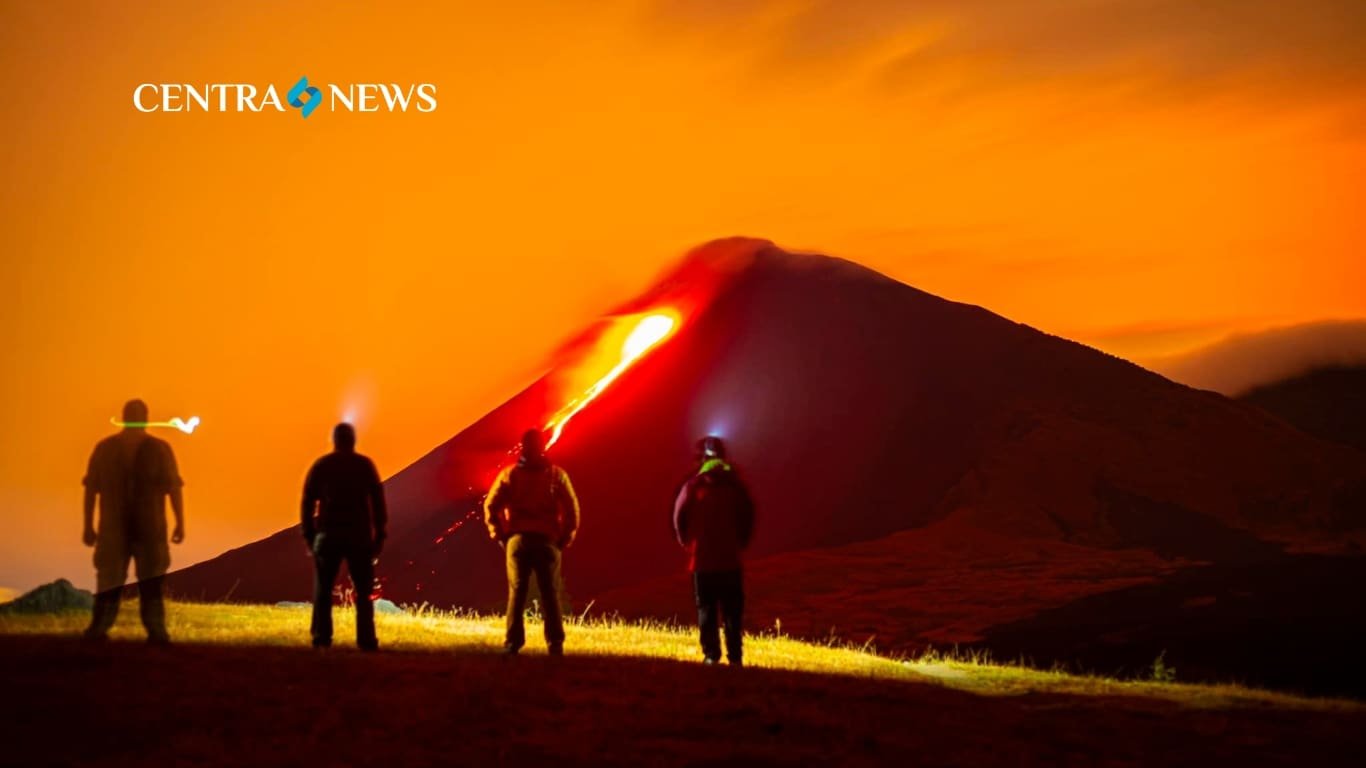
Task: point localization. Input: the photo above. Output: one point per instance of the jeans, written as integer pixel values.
(528, 554)
(328, 555)
(724, 590)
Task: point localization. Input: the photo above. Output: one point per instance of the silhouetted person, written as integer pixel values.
(714, 520)
(132, 473)
(532, 511)
(343, 520)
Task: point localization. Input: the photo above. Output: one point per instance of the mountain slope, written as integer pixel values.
(1329, 403)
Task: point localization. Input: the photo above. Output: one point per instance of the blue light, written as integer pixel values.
(718, 428)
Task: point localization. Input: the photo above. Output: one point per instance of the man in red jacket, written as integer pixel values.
(532, 511)
(714, 520)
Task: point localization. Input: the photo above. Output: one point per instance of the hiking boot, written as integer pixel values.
(510, 650)
(710, 661)
(161, 640)
(555, 650)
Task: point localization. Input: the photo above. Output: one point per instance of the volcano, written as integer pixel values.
(925, 471)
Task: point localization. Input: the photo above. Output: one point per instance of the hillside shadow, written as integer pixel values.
(1295, 623)
(1176, 531)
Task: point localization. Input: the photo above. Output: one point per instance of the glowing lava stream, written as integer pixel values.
(648, 333)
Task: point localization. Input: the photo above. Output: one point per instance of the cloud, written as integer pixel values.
(1305, 50)
(1241, 362)
(1140, 339)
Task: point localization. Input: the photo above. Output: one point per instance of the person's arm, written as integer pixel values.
(91, 483)
(88, 532)
(378, 511)
(746, 521)
(681, 509)
(310, 505)
(174, 483)
(493, 506)
(178, 508)
(569, 511)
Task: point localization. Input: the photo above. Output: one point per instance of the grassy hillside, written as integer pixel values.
(439, 631)
(241, 687)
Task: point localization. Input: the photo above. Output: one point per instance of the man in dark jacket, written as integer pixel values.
(714, 520)
(532, 511)
(132, 474)
(343, 520)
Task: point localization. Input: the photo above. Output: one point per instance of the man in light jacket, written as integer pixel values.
(532, 511)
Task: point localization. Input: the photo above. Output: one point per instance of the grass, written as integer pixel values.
(432, 631)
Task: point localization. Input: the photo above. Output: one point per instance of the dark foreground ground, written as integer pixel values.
(128, 704)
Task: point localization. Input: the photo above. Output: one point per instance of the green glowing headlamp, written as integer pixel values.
(184, 425)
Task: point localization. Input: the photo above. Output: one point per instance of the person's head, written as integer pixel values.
(711, 447)
(533, 444)
(135, 412)
(344, 437)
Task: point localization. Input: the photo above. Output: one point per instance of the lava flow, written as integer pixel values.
(647, 334)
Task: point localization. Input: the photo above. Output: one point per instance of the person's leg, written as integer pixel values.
(103, 615)
(708, 628)
(111, 573)
(548, 580)
(325, 566)
(518, 583)
(153, 609)
(360, 564)
(151, 559)
(732, 595)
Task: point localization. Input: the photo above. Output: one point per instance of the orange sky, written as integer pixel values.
(1142, 176)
